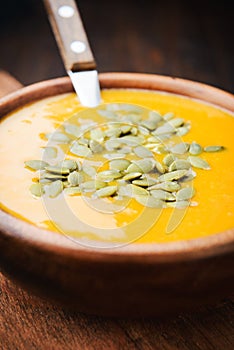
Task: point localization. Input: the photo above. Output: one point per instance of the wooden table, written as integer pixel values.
(168, 37)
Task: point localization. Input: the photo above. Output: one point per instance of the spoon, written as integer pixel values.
(75, 50)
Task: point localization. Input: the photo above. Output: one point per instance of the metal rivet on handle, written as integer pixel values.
(78, 46)
(66, 11)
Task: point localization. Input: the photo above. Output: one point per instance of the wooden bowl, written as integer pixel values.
(135, 280)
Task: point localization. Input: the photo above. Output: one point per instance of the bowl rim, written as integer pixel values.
(14, 228)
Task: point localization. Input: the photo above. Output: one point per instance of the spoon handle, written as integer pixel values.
(70, 35)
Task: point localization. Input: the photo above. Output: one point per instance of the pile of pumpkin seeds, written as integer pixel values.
(133, 153)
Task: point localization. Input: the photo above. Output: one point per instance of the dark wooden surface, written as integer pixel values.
(178, 38)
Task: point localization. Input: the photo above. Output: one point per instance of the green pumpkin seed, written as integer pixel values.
(113, 132)
(155, 116)
(185, 194)
(58, 137)
(132, 176)
(195, 148)
(183, 130)
(178, 204)
(99, 184)
(54, 189)
(164, 129)
(168, 116)
(144, 182)
(119, 164)
(198, 162)
(97, 135)
(75, 178)
(89, 170)
(169, 159)
(53, 177)
(174, 175)
(83, 141)
(69, 164)
(125, 129)
(149, 201)
(50, 152)
(109, 175)
(73, 130)
(163, 195)
(213, 148)
(179, 165)
(113, 144)
(106, 114)
(176, 122)
(149, 124)
(57, 170)
(72, 191)
(180, 148)
(36, 164)
(88, 186)
(141, 166)
(95, 146)
(160, 149)
(169, 186)
(142, 152)
(36, 189)
(132, 140)
(106, 191)
(80, 150)
(137, 190)
(189, 176)
(160, 168)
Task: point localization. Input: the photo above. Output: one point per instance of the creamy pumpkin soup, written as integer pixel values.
(145, 167)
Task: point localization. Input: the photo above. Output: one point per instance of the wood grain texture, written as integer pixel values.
(67, 31)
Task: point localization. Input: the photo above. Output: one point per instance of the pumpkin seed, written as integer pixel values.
(164, 129)
(95, 146)
(195, 148)
(73, 130)
(141, 166)
(132, 140)
(119, 164)
(178, 204)
(131, 176)
(112, 132)
(160, 168)
(144, 182)
(213, 148)
(163, 195)
(106, 114)
(183, 130)
(75, 178)
(137, 190)
(36, 164)
(160, 149)
(149, 201)
(168, 159)
(168, 116)
(180, 148)
(72, 191)
(69, 164)
(125, 129)
(109, 175)
(50, 152)
(185, 194)
(176, 122)
(198, 162)
(36, 189)
(53, 177)
(88, 186)
(57, 170)
(189, 176)
(58, 137)
(155, 116)
(174, 175)
(89, 170)
(170, 186)
(99, 184)
(113, 144)
(142, 152)
(80, 150)
(83, 141)
(149, 124)
(97, 135)
(179, 165)
(106, 191)
(54, 189)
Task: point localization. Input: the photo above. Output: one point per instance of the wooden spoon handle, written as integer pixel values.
(70, 35)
